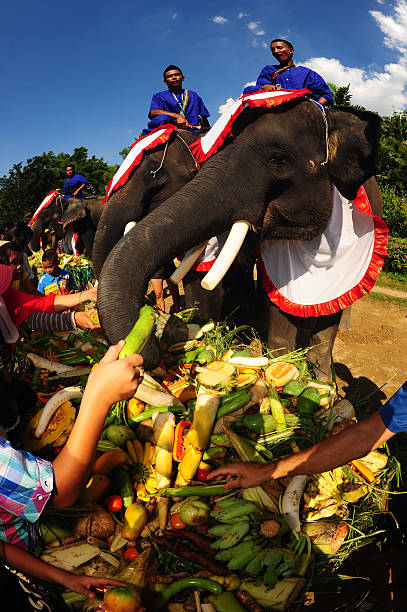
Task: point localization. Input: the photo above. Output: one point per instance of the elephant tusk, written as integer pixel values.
(186, 264)
(128, 227)
(227, 255)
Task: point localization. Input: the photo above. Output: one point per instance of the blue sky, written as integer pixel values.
(83, 73)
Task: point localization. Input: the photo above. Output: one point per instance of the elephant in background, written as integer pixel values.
(162, 172)
(54, 222)
(273, 176)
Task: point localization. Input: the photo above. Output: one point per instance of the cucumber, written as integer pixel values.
(294, 388)
(259, 423)
(309, 401)
(142, 330)
(233, 402)
(124, 485)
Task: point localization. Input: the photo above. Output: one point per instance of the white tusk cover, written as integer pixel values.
(129, 226)
(227, 255)
(186, 264)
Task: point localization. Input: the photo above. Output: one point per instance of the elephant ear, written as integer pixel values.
(353, 144)
(75, 211)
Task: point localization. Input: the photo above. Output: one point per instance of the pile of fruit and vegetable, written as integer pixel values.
(79, 266)
(147, 515)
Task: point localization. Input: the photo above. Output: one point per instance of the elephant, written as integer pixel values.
(276, 175)
(84, 215)
(60, 214)
(162, 172)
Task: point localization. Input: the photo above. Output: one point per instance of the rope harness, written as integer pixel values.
(154, 172)
(323, 111)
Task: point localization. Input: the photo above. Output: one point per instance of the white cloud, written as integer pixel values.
(223, 107)
(174, 15)
(241, 15)
(219, 19)
(253, 25)
(384, 91)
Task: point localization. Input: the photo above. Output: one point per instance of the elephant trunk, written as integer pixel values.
(180, 223)
(35, 242)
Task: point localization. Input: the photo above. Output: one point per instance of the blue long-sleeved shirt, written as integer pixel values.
(295, 77)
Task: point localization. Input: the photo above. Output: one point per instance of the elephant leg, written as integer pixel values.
(288, 332)
(209, 303)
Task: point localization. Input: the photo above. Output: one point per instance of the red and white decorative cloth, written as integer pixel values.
(46, 202)
(210, 143)
(324, 275)
(135, 156)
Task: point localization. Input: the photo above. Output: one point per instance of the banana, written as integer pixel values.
(226, 503)
(240, 561)
(270, 577)
(255, 566)
(220, 530)
(273, 557)
(232, 537)
(238, 509)
(224, 555)
(232, 521)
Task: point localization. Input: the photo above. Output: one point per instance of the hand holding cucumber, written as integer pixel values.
(115, 379)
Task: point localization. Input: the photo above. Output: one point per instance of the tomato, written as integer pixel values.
(202, 474)
(131, 553)
(114, 503)
(175, 521)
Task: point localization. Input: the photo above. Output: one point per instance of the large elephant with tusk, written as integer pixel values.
(162, 171)
(274, 176)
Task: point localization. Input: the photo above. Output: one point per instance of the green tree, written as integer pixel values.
(25, 186)
(392, 155)
(341, 94)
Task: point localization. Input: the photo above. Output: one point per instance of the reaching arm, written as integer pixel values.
(64, 302)
(353, 442)
(75, 193)
(32, 566)
(113, 380)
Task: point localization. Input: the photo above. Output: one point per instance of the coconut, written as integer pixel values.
(98, 523)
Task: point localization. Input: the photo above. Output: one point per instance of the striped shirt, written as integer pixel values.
(26, 484)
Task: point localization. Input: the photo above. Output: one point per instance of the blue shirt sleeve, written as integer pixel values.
(265, 76)
(318, 86)
(202, 110)
(40, 286)
(81, 179)
(157, 103)
(394, 411)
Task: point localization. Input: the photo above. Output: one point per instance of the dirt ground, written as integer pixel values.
(373, 352)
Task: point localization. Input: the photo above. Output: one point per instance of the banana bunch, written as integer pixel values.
(239, 546)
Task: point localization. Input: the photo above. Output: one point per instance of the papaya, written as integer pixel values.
(109, 460)
(96, 489)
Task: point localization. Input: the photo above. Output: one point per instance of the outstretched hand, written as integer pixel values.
(87, 585)
(239, 475)
(115, 379)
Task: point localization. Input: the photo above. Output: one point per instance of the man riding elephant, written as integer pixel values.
(74, 183)
(183, 107)
(286, 75)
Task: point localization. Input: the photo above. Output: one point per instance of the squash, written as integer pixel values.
(59, 427)
(280, 373)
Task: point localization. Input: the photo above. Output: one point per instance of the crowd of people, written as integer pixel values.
(27, 483)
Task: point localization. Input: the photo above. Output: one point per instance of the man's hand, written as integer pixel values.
(115, 379)
(83, 320)
(239, 475)
(181, 121)
(268, 87)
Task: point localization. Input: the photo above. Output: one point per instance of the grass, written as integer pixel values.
(388, 299)
(393, 281)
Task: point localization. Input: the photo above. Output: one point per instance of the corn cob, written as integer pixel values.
(164, 425)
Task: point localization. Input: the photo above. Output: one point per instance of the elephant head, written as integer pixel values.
(84, 213)
(161, 173)
(52, 214)
(275, 175)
